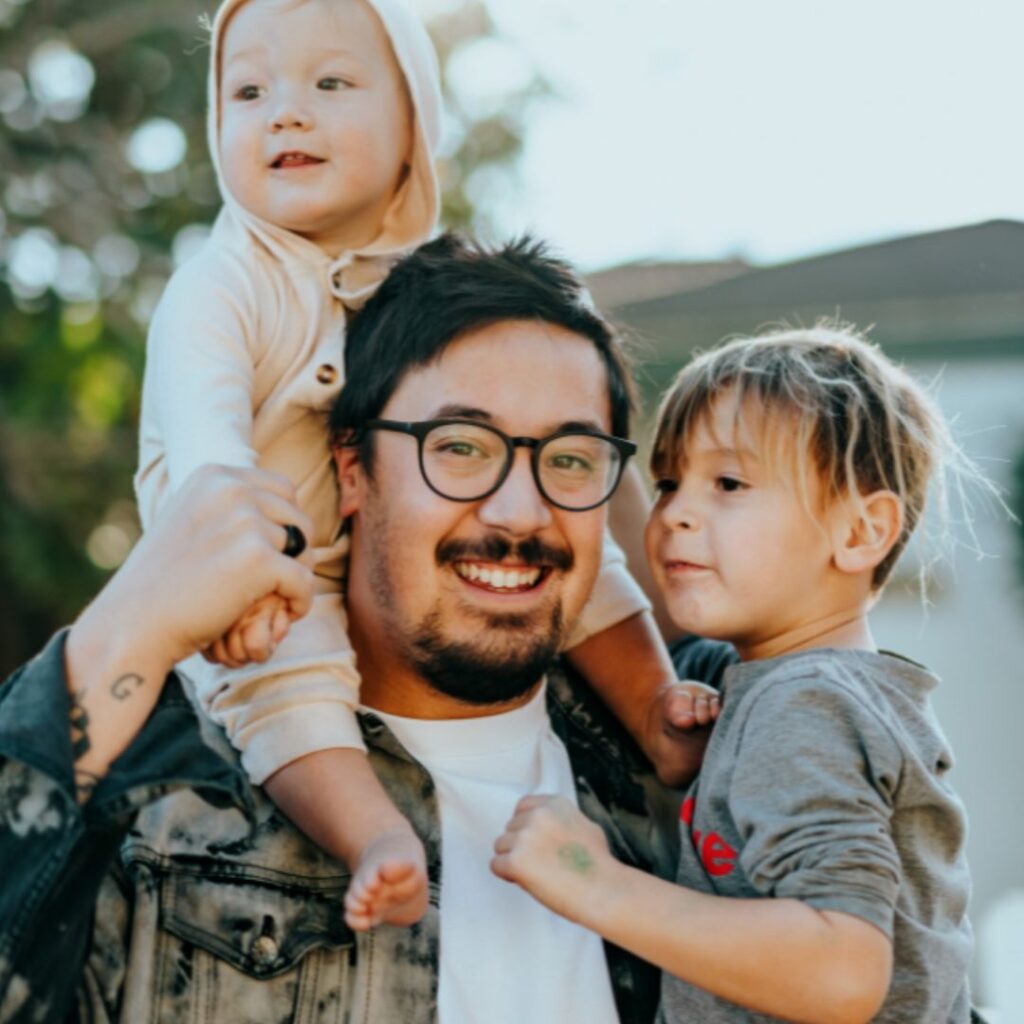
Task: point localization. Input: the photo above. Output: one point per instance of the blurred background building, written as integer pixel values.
(702, 151)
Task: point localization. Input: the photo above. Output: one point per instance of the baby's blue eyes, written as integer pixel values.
(330, 83)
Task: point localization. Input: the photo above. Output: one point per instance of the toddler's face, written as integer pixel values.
(315, 125)
(731, 542)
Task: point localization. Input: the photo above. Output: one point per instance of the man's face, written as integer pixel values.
(430, 586)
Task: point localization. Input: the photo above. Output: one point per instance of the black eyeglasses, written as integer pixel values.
(464, 460)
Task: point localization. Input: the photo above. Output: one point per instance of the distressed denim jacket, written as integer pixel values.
(179, 893)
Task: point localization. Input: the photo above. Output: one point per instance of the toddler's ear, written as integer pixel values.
(866, 533)
(350, 476)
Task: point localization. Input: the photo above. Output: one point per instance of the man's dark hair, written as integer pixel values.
(447, 288)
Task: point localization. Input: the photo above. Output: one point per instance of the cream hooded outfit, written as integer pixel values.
(244, 360)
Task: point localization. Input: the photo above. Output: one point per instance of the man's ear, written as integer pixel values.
(865, 531)
(349, 470)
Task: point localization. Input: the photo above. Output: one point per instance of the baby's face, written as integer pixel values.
(315, 122)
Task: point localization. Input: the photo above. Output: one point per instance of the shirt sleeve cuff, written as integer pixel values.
(168, 753)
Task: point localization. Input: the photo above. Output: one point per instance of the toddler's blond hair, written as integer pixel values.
(826, 399)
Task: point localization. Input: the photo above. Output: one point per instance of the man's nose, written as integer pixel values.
(517, 506)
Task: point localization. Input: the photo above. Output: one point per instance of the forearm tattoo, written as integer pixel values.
(124, 686)
(80, 742)
(85, 784)
(121, 689)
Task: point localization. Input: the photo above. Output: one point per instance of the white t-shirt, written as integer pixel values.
(505, 958)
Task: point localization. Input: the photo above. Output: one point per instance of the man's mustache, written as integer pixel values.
(495, 548)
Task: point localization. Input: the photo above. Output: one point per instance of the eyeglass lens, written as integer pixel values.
(464, 461)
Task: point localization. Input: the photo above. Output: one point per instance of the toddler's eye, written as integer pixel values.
(332, 84)
(729, 484)
(666, 485)
(248, 92)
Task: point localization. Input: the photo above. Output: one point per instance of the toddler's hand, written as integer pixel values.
(679, 723)
(556, 854)
(254, 636)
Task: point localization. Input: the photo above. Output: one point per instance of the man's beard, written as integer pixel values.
(483, 674)
(512, 651)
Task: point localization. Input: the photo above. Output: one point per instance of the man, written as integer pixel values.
(475, 458)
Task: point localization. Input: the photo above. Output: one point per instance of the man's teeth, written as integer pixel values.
(499, 579)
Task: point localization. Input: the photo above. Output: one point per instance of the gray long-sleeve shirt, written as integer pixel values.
(826, 780)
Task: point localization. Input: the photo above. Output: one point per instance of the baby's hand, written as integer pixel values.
(254, 636)
(556, 854)
(679, 723)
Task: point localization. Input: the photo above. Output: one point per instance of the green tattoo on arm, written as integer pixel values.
(576, 858)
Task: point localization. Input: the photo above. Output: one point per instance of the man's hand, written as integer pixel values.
(215, 550)
(556, 854)
(677, 729)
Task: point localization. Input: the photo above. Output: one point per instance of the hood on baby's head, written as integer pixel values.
(413, 213)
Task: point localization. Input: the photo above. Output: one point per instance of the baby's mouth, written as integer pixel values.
(295, 159)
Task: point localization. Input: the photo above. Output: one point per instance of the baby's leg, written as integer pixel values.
(337, 800)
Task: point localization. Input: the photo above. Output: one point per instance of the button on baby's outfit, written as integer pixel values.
(326, 374)
(263, 951)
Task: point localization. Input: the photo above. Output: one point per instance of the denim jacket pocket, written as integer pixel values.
(232, 947)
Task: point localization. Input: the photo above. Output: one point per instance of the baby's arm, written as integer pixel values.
(197, 395)
(779, 957)
(294, 715)
(618, 649)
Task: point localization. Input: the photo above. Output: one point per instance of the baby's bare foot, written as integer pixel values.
(390, 882)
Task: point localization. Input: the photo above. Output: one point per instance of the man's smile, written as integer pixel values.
(500, 577)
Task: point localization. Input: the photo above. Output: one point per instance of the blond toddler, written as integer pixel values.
(324, 120)
(822, 875)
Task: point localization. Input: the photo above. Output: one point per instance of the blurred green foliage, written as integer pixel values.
(87, 240)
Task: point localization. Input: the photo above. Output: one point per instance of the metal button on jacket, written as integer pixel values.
(326, 374)
(263, 951)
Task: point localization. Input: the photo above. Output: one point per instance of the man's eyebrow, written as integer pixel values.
(583, 425)
(469, 412)
(462, 412)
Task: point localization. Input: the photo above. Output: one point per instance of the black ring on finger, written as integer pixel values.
(294, 542)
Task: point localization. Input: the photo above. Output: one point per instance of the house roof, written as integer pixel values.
(935, 290)
(639, 282)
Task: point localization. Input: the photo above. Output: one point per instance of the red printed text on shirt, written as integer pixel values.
(717, 856)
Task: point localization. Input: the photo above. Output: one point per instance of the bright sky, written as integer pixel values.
(772, 130)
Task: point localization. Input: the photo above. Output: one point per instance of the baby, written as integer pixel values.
(324, 120)
(822, 873)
